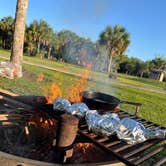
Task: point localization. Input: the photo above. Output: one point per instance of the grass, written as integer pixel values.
(127, 79)
(144, 82)
(154, 103)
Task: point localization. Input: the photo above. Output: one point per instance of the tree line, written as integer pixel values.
(108, 53)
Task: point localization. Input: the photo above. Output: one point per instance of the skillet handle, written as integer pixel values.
(131, 103)
(137, 108)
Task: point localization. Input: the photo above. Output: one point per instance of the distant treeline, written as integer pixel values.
(41, 40)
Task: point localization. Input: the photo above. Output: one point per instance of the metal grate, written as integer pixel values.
(129, 154)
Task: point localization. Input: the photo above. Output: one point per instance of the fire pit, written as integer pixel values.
(28, 134)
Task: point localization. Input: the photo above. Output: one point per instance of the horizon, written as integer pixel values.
(146, 28)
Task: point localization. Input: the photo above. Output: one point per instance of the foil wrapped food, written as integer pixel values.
(126, 129)
(102, 124)
(78, 109)
(61, 104)
(155, 133)
(131, 131)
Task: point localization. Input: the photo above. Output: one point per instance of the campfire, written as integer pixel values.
(48, 135)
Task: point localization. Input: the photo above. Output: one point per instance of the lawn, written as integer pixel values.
(144, 82)
(123, 78)
(154, 103)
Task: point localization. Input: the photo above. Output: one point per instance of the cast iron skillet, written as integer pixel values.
(102, 101)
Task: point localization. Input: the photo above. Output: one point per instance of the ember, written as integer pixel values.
(84, 146)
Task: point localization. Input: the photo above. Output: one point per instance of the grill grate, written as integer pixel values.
(129, 154)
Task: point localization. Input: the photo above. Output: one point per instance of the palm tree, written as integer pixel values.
(18, 38)
(158, 63)
(42, 33)
(116, 39)
(6, 32)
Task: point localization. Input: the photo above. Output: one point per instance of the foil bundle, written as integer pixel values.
(78, 109)
(102, 124)
(127, 129)
(131, 131)
(61, 104)
(155, 133)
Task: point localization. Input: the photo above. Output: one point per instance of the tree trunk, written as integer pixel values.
(49, 52)
(4, 44)
(110, 65)
(38, 47)
(142, 73)
(18, 38)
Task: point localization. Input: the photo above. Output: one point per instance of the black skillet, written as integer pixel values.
(102, 101)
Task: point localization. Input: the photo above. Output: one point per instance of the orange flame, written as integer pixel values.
(76, 89)
(84, 146)
(55, 92)
(40, 77)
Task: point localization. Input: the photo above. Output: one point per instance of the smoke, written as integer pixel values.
(85, 52)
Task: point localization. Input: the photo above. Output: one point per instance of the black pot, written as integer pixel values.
(102, 101)
(99, 101)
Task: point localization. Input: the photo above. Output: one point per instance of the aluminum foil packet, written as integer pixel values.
(131, 131)
(61, 104)
(78, 109)
(102, 124)
(134, 132)
(155, 133)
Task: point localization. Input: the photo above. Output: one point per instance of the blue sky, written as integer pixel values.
(145, 20)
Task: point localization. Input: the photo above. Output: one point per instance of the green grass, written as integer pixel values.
(55, 64)
(127, 79)
(144, 82)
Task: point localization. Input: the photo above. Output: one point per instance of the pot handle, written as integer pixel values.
(137, 105)
(131, 103)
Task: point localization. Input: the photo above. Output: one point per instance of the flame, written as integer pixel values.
(55, 92)
(76, 89)
(84, 146)
(41, 121)
(40, 77)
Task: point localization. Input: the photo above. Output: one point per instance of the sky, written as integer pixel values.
(145, 20)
